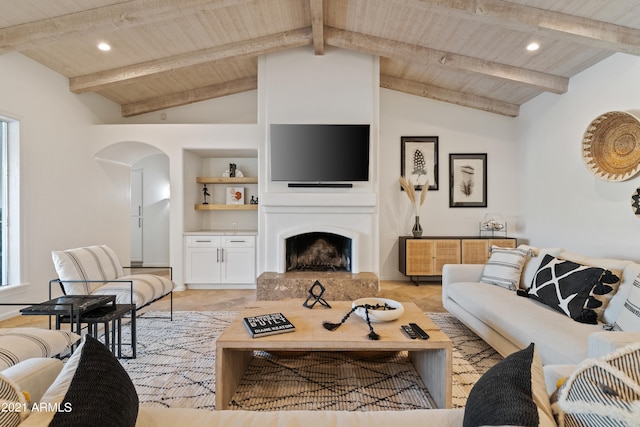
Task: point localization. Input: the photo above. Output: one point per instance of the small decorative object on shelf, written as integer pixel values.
(205, 193)
(253, 201)
(410, 190)
(233, 172)
(493, 223)
(235, 195)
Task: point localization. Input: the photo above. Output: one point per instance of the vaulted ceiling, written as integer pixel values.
(167, 53)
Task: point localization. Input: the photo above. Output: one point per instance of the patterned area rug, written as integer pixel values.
(176, 362)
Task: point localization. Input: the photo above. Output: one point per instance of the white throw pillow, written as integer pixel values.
(629, 319)
(505, 265)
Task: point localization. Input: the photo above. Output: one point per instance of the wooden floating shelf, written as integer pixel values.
(201, 207)
(226, 180)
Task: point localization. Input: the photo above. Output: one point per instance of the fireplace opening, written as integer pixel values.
(318, 251)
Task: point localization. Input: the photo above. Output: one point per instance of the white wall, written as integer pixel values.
(236, 109)
(562, 203)
(460, 130)
(68, 199)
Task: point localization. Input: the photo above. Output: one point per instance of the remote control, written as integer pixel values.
(409, 331)
(418, 330)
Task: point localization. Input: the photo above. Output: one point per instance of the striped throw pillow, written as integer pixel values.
(629, 319)
(14, 407)
(504, 266)
(602, 392)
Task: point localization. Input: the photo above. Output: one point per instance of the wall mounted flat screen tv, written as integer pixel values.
(319, 152)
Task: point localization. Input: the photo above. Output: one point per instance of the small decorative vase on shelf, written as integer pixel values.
(417, 228)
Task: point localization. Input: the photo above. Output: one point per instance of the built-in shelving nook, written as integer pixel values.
(213, 199)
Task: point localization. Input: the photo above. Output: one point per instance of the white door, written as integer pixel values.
(136, 216)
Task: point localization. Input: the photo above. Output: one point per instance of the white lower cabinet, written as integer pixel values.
(220, 260)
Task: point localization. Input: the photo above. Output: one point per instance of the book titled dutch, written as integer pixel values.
(268, 324)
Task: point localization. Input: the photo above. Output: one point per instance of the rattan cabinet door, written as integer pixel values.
(446, 252)
(476, 251)
(419, 257)
(425, 257)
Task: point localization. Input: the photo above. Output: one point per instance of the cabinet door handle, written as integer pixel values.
(222, 258)
(237, 241)
(218, 255)
(203, 241)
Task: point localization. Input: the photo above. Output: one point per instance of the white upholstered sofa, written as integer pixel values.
(106, 397)
(96, 270)
(509, 322)
(19, 344)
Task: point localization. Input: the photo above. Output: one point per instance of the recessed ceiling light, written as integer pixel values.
(105, 47)
(533, 47)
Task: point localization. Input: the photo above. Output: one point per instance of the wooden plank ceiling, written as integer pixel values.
(167, 53)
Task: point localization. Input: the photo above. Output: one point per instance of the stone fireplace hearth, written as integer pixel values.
(340, 286)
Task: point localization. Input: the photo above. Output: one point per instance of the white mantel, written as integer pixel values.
(351, 215)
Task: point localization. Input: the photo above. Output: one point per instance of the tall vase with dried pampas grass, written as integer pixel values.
(410, 191)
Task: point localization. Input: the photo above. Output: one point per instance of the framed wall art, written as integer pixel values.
(419, 160)
(468, 180)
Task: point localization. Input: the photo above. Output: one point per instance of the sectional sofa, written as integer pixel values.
(92, 388)
(509, 322)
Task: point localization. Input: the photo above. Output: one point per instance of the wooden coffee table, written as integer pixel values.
(431, 358)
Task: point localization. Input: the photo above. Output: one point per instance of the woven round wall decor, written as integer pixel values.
(611, 146)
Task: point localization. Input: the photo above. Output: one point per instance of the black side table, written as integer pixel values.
(74, 305)
(112, 314)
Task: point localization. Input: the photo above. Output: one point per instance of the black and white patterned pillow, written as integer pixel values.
(13, 403)
(565, 286)
(603, 391)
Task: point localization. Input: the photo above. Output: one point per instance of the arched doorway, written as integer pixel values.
(149, 196)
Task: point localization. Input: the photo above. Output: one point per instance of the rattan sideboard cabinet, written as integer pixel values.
(425, 256)
(476, 251)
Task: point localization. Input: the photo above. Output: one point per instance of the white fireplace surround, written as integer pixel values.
(351, 214)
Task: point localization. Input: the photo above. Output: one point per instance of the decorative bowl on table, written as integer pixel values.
(380, 309)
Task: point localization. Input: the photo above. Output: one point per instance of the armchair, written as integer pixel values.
(96, 270)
